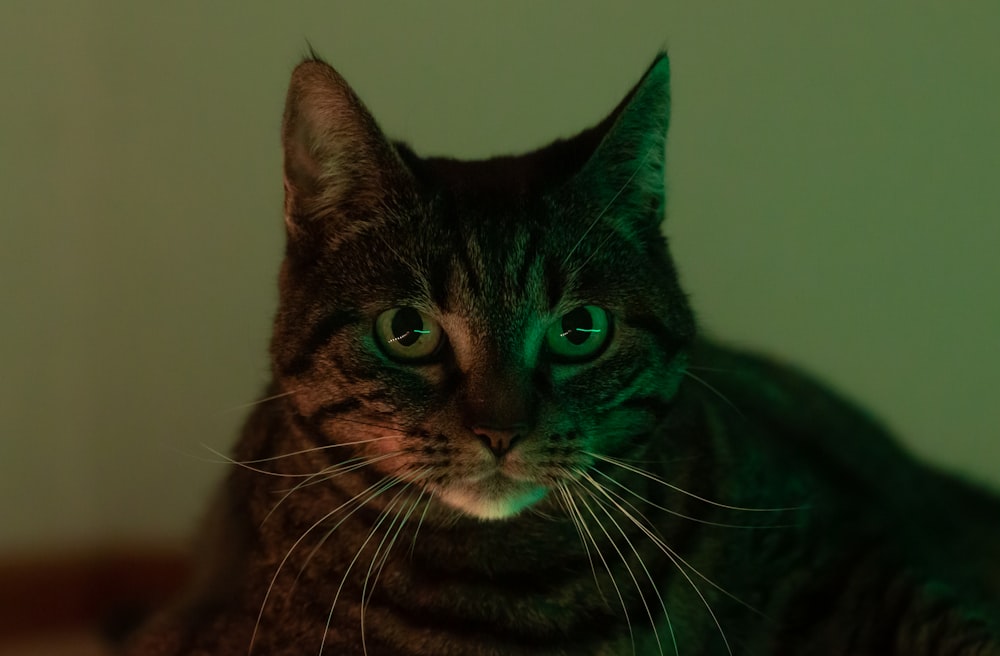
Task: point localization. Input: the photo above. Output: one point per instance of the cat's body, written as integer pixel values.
(494, 431)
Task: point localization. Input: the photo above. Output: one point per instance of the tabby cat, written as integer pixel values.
(493, 429)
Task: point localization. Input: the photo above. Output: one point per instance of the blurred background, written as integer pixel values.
(834, 176)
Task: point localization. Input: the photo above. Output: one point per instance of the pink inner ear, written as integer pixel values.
(301, 168)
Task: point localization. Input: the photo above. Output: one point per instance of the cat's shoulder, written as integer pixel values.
(764, 388)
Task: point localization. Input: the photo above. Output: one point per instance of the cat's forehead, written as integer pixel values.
(501, 255)
(532, 173)
(492, 261)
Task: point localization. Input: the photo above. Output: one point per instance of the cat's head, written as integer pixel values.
(479, 328)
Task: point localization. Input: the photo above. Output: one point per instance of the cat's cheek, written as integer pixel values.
(398, 455)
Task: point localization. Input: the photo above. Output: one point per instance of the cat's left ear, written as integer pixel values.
(338, 165)
(626, 171)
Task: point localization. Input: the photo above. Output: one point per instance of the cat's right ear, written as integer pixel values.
(337, 162)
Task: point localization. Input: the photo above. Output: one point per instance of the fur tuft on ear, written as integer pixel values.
(627, 168)
(335, 156)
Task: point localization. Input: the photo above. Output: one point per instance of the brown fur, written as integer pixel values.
(691, 495)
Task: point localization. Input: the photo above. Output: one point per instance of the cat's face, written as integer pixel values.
(480, 329)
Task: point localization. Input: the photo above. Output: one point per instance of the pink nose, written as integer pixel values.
(498, 440)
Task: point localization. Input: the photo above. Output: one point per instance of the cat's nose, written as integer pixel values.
(499, 440)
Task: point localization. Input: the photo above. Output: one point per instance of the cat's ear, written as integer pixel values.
(337, 162)
(625, 173)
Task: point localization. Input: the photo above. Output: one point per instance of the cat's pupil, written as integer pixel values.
(576, 326)
(407, 326)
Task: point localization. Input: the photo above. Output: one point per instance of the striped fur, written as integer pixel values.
(667, 496)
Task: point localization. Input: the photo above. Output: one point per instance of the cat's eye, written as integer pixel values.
(579, 335)
(408, 335)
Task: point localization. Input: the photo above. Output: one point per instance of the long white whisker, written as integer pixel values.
(680, 514)
(713, 369)
(224, 459)
(274, 578)
(371, 424)
(273, 397)
(604, 211)
(371, 565)
(391, 482)
(301, 452)
(381, 518)
(410, 265)
(653, 477)
(660, 542)
(715, 391)
(328, 474)
(413, 541)
(382, 561)
(628, 621)
(642, 597)
(580, 268)
(674, 558)
(423, 491)
(574, 512)
(295, 488)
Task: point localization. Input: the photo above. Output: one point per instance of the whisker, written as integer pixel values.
(226, 460)
(670, 553)
(597, 250)
(372, 424)
(298, 486)
(410, 265)
(329, 473)
(574, 512)
(676, 559)
(711, 388)
(273, 397)
(628, 621)
(423, 491)
(541, 513)
(274, 578)
(375, 556)
(412, 507)
(719, 370)
(657, 479)
(385, 557)
(391, 482)
(413, 541)
(381, 518)
(642, 597)
(680, 514)
(604, 211)
(301, 452)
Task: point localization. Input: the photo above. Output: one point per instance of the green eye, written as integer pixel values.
(407, 334)
(579, 335)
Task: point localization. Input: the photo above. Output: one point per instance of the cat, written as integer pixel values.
(494, 428)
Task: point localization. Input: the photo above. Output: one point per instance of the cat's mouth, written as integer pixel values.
(494, 496)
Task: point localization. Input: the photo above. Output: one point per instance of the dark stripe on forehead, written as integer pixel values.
(528, 256)
(554, 281)
(318, 337)
(439, 279)
(463, 259)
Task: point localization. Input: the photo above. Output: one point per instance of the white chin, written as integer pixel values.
(493, 499)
